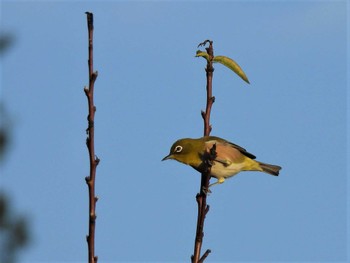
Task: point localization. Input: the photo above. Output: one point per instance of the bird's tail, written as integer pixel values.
(270, 169)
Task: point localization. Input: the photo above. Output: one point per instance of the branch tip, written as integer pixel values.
(205, 255)
(205, 42)
(90, 18)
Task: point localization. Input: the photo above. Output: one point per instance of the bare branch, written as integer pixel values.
(90, 143)
(201, 197)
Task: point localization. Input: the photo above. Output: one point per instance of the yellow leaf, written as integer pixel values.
(231, 64)
(203, 54)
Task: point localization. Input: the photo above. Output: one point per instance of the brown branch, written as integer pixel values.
(201, 197)
(90, 142)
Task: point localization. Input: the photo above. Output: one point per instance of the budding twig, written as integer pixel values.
(90, 143)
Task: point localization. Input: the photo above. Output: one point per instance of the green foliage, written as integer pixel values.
(203, 54)
(231, 64)
(226, 61)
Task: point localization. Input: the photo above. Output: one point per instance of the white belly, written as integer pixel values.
(220, 170)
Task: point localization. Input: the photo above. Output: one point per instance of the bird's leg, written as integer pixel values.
(219, 181)
(206, 190)
(223, 162)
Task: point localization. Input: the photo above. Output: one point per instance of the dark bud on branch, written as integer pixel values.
(205, 42)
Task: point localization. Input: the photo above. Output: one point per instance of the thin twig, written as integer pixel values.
(90, 142)
(201, 197)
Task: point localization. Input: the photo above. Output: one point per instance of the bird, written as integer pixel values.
(225, 158)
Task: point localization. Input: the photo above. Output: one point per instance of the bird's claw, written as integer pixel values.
(206, 191)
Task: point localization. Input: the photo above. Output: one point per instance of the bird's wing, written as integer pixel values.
(242, 150)
(228, 151)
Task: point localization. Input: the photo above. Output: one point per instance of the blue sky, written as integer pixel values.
(149, 92)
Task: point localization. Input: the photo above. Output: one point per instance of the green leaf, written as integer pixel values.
(231, 64)
(203, 54)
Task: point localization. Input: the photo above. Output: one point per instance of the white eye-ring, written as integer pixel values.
(178, 149)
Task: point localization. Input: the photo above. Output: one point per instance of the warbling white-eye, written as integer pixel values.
(228, 160)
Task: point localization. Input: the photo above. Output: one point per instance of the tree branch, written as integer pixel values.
(90, 143)
(201, 197)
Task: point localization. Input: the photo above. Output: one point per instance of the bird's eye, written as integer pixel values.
(178, 149)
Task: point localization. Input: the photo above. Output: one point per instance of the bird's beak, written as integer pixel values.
(169, 156)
